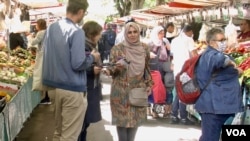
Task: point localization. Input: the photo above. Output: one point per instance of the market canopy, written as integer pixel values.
(195, 3)
(57, 10)
(167, 10)
(40, 3)
(142, 18)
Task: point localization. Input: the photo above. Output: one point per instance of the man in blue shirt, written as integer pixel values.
(64, 67)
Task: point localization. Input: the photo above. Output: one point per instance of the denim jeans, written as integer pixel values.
(211, 125)
(178, 107)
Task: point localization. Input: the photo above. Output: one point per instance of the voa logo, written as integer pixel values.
(236, 132)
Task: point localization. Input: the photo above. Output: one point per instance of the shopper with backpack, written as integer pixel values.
(106, 42)
(222, 98)
(182, 48)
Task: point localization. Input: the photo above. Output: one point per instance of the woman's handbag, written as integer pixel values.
(37, 84)
(138, 97)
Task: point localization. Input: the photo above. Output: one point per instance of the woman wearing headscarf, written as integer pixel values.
(129, 69)
(160, 46)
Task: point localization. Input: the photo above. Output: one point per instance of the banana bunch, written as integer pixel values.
(246, 73)
(4, 94)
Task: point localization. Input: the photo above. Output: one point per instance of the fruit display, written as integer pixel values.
(241, 48)
(245, 64)
(247, 81)
(13, 66)
(241, 56)
(7, 96)
(8, 91)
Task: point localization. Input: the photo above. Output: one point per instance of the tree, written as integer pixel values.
(137, 4)
(152, 3)
(125, 6)
(159, 2)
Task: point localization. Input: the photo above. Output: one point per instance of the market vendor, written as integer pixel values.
(17, 40)
(18, 36)
(245, 31)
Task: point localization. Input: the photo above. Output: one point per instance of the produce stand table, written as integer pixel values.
(17, 111)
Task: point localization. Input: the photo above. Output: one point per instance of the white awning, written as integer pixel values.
(57, 11)
(40, 3)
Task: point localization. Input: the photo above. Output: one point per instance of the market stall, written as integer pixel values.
(16, 68)
(204, 15)
(226, 15)
(17, 111)
(16, 86)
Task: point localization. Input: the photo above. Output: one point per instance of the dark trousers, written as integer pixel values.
(126, 134)
(211, 125)
(178, 106)
(83, 134)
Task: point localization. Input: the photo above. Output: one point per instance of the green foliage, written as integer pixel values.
(149, 3)
(152, 3)
(123, 7)
(63, 1)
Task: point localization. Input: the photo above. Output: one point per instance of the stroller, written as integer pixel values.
(158, 96)
(161, 97)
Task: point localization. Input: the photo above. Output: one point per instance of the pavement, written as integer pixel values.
(40, 125)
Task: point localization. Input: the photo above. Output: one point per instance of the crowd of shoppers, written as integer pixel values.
(72, 65)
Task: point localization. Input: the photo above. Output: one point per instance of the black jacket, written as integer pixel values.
(92, 79)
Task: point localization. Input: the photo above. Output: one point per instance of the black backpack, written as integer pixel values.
(106, 42)
(110, 36)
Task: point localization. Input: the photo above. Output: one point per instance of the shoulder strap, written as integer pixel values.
(214, 74)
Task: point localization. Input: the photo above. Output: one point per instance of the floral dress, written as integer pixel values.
(124, 114)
